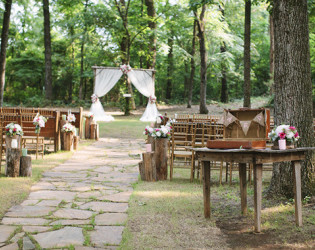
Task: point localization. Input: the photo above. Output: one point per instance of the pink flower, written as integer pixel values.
(292, 128)
(296, 135)
(14, 130)
(282, 135)
(157, 130)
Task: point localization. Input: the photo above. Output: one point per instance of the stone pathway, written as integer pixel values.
(80, 203)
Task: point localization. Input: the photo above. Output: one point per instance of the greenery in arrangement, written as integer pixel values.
(13, 129)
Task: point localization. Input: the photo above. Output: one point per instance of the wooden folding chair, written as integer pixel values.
(181, 138)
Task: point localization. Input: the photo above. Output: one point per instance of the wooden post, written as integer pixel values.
(13, 162)
(297, 192)
(243, 187)
(75, 142)
(161, 158)
(97, 132)
(81, 123)
(37, 138)
(93, 132)
(57, 132)
(257, 196)
(149, 166)
(26, 166)
(87, 127)
(206, 188)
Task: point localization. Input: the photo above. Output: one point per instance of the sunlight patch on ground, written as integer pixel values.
(163, 194)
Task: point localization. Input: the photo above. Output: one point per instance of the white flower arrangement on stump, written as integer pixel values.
(13, 129)
(67, 128)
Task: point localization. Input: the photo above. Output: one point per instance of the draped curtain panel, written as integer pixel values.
(106, 79)
(144, 83)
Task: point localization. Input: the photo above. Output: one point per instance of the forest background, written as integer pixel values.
(85, 33)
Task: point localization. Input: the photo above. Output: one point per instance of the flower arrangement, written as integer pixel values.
(125, 68)
(94, 98)
(284, 132)
(39, 122)
(13, 129)
(148, 130)
(163, 132)
(71, 117)
(152, 99)
(68, 128)
(89, 115)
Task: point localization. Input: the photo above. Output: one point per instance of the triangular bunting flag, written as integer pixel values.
(260, 119)
(245, 126)
(228, 119)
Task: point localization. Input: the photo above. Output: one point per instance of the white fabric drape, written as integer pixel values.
(105, 80)
(143, 81)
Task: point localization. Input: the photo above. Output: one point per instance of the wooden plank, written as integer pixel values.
(297, 192)
(221, 170)
(57, 132)
(270, 158)
(206, 188)
(226, 157)
(257, 196)
(243, 187)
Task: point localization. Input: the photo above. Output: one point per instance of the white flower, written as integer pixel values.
(158, 134)
(150, 130)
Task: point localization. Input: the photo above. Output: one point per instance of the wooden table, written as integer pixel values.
(257, 157)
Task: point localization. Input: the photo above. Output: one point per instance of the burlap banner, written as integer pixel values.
(260, 119)
(245, 126)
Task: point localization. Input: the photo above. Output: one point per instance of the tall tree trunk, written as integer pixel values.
(82, 51)
(224, 85)
(271, 51)
(293, 86)
(170, 68)
(47, 41)
(4, 44)
(192, 66)
(186, 79)
(123, 8)
(203, 61)
(247, 85)
(152, 37)
(71, 70)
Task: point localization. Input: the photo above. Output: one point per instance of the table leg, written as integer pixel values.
(297, 192)
(243, 187)
(206, 187)
(257, 195)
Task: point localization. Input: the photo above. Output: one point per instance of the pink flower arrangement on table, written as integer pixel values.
(284, 132)
(13, 129)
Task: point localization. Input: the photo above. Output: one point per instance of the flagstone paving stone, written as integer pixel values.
(108, 219)
(96, 181)
(5, 232)
(28, 211)
(60, 238)
(104, 235)
(13, 246)
(68, 213)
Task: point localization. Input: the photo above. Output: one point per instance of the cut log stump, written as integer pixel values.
(13, 162)
(61, 123)
(26, 166)
(67, 138)
(88, 122)
(147, 167)
(160, 155)
(151, 141)
(76, 139)
(94, 131)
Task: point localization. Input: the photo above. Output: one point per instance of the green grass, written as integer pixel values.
(123, 127)
(15, 190)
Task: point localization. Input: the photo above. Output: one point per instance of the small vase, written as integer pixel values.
(37, 129)
(289, 145)
(282, 144)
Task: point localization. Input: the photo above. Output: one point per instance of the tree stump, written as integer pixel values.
(97, 132)
(151, 141)
(13, 162)
(94, 131)
(141, 170)
(68, 141)
(160, 155)
(61, 123)
(26, 166)
(88, 122)
(149, 167)
(76, 139)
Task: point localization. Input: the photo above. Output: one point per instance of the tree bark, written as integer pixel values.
(152, 38)
(26, 166)
(247, 85)
(224, 87)
(82, 51)
(272, 47)
(170, 68)
(4, 44)
(293, 87)
(192, 66)
(203, 61)
(47, 41)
